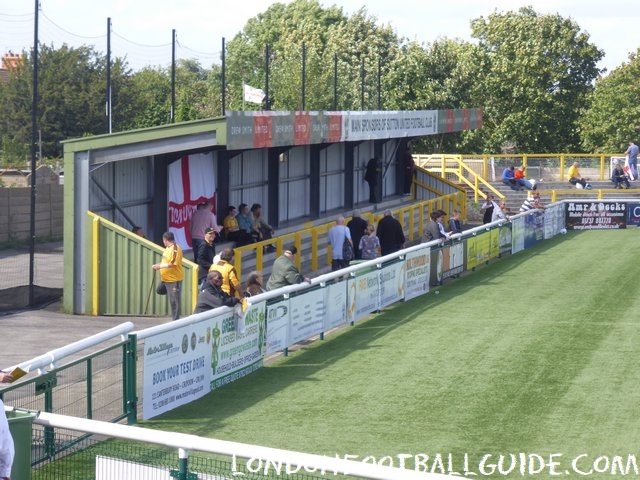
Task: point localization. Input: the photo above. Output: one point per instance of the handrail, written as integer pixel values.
(459, 171)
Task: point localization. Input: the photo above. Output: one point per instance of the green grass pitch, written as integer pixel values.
(534, 355)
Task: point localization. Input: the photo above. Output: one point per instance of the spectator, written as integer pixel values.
(232, 230)
(284, 271)
(230, 282)
(171, 273)
(508, 178)
(138, 231)
(357, 226)
(455, 224)
(619, 177)
(206, 252)
(266, 231)
(532, 203)
(212, 295)
(520, 179)
(7, 451)
(246, 223)
(337, 235)
(435, 228)
(371, 177)
(409, 170)
(632, 151)
(369, 245)
(202, 219)
(574, 176)
(499, 211)
(487, 209)
(390, 234)
(254, 284)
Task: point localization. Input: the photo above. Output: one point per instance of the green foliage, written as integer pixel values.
(535, 72)
(612, 117)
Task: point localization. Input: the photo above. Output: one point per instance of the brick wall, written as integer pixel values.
(15, 211)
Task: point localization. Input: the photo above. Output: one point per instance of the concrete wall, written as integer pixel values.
(15, 212)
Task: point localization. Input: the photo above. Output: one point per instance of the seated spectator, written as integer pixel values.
(213, 296)
(455, 224)
(232, 230)
(369, 245)
(520, 179)
(138, 231)
(245, 222)
(508, 178)
(284, 271)
(532, 203)
(574, 176)
(254, 284)
(265, 230)
(499, 211)
(619, 177)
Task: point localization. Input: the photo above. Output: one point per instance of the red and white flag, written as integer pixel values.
(191, 182)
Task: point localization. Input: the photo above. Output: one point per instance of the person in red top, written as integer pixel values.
(521, 180)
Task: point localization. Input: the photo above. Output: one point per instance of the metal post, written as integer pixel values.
(267, 100)
(108, 112)
(34, 140)
(173, 75)
(362, 84)
(129, 374)
(223, 80)
(335, 82)
(304, 74)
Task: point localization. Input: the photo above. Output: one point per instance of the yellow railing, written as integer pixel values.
(462, 173)
(599, 193)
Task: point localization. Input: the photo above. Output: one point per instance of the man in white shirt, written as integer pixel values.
(338, 234)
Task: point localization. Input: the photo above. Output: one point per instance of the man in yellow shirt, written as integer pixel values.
(171, 273)
(230, 282)
(574, 176)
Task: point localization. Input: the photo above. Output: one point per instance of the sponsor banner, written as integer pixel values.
(417, 269)
(505, 239)
(446, 262)
(517, 234)
(391, 283)
(367, 294)
(596, 215)
(553, 220)
(176, 368)
(481, 248)
(351, 300)
(533, 228)
(633, 214)
(389, 124)
(306, 315)
(277, 326)
(336, 303)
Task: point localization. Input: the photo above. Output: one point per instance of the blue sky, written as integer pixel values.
(142, 28)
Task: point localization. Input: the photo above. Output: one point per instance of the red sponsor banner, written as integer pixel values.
(335, 127)
(451, 121)
(262, 130)
(301, 128)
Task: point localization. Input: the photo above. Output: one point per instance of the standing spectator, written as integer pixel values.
(232, 230)
(357, 226)
(574, 176)
(390, 234)
(500, 211)
(337, 235)
(171, 273)
(202, 219)
(632, 151)
(409, 167)
(435, 228)
(455, 224)
(284, 271)
(487, 209)
(619, 177)
(532, 203)
(230, 281)
(7, 451)
(246, 223)
(212, 295)
(369, 244)
(254, 284)
(206, 252)
(371, 177)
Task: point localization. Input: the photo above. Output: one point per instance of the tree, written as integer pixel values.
(611, 119)
(536, 72)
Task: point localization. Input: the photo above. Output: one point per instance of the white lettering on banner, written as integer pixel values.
(306, 316)
(392, 284)
(417, 271)
(278, 321)
(510, 464)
